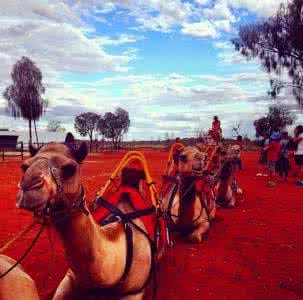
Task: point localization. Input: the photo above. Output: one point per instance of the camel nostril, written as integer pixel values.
(33, 182)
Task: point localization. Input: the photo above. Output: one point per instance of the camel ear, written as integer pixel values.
(32, 150)
(81, 152)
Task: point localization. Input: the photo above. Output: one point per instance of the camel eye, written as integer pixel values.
(68, 170)
(24, 167)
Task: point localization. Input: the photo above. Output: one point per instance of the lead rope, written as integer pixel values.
(18, 236)
(26, 251)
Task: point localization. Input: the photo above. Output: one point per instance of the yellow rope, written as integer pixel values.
(171, 153)
(129, 157)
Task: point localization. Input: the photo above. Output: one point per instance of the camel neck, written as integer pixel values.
(92, 252)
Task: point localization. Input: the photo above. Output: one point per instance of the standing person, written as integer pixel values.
(240, 144)
(273, 153)
(216, 129)
(263, 156)
(298, 140)
(283, 163)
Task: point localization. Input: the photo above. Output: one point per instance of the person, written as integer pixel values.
(263, 156)
(298, 140)
(283, 163)
(273, 153)
(216, 129)
(239, 142)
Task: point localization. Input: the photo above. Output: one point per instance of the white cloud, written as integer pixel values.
(122, 39)
(53, 35)
(204, 29)
(223, 25)
(220, 10)
(202, 2)
(263, 8)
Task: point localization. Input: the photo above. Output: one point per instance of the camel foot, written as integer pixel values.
(200, 234)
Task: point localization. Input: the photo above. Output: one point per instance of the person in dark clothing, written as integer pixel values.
(283, 163)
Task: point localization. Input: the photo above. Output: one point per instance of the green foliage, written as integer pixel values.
(277, 42)
(277, 118)
(55, 126)
(86, 124)
(114, 125)
(24, 95)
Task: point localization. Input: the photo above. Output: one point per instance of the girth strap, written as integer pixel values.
(127, 221)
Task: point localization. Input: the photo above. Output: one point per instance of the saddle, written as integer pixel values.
(131, 182)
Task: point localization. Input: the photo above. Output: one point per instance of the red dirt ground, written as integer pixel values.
(253, 251)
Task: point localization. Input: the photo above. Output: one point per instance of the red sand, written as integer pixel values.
(253, 251)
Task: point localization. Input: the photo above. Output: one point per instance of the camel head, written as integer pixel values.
(190, 161)
(51, 172)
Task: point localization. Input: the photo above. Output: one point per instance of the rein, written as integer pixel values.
(26, 251)
(45, 213)
(198, 174)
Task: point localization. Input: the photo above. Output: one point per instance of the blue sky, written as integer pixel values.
(169, 63)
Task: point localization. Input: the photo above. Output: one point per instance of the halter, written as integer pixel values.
(54, 210)
(200, 171)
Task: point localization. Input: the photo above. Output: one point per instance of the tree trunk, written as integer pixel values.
(30, 131)
(91, 142)
(36, 133)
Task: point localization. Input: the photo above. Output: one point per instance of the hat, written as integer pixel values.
(275, 136)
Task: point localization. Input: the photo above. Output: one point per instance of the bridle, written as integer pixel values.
(78, 206)
(198, 173)
(57, 209)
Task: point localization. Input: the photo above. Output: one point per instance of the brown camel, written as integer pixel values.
(16, 284)
(187, 198)
(51, 185)
(227, 187)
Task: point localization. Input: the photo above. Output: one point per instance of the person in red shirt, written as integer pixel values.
(216, 129)
(273, 153)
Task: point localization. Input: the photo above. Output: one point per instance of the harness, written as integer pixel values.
(127, 219)
(59, 213)
(116, 215)
(199, 175)
(60, 198)
(198, 192)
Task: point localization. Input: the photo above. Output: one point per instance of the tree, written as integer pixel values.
(24, 95)
(277, 42)
(55, 126)
(114, 125)
(277, 118)
(86, 124)
(236, 129)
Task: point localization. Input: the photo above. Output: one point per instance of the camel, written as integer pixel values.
(188, 198)
(227, 187)
(97, 256)
(16, 284)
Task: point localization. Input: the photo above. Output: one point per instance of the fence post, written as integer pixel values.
(22, 150)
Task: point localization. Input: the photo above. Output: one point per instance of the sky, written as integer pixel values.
(170, 63)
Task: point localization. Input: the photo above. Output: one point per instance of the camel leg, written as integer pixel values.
(230, 197)
(65, 288)
(134, 297)
(200, 232)
(16, 284)
(202, 225)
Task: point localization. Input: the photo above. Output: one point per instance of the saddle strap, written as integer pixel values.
(127, 220)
